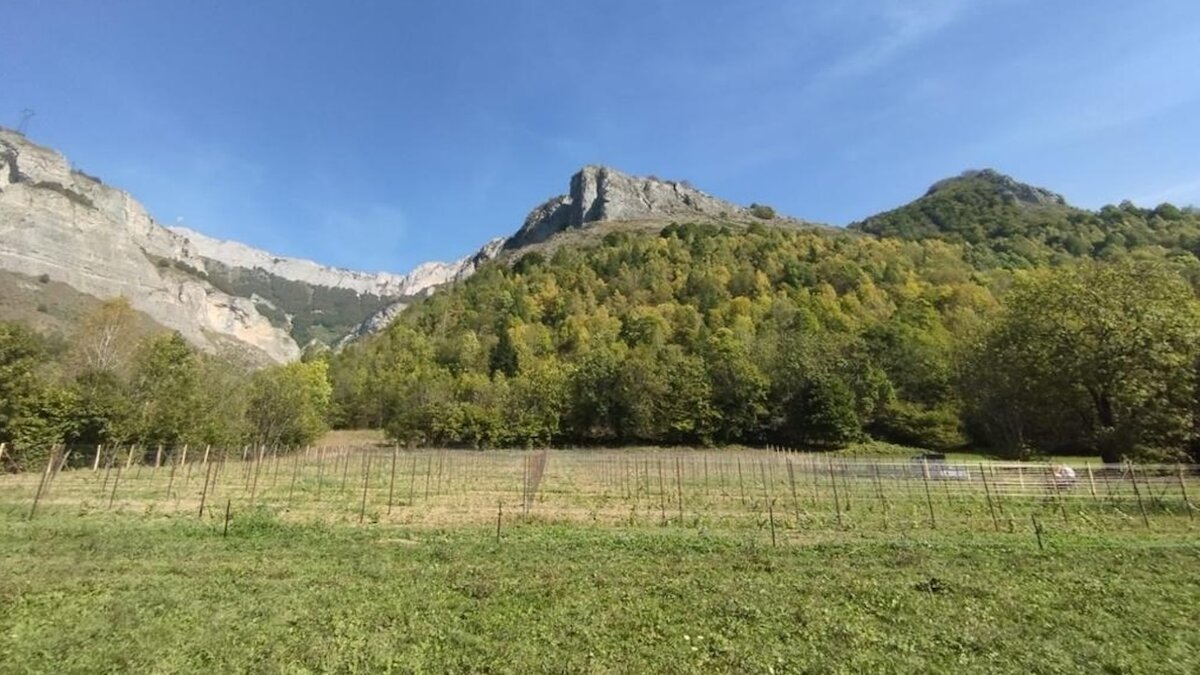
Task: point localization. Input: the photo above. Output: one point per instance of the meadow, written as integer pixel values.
(378, 559)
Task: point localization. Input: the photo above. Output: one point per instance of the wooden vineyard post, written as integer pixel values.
(679, 488)
(837, 502)
(792, 484)
(129, 461)
(171, 479)
(295, 472)
(258, 456)
(158, 456)
(1138, 493)
(362, 508)
(1058, 497)
(345, 471)
(499, 518)
(429, 474)
(928, 496)
(112, 457)
(662, 493)
(228, 512)
(320, 469)
(705, 474)
(44, 483)
(883, 504)
(204, 461)
(1187, 503)
(183, 460)
(392, 482)
(771, 518)
(1037, 531)
(3, 446)
(1091, 479)
(762, 470)
(204, 492)
(988, 491)
(741, 482)
(412, 482)
(116, 480)
(96, 461)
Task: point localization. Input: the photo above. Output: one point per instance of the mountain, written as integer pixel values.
(600, 194)
(60, 224)
(972, 207)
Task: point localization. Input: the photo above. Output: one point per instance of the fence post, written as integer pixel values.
(928, 495)
(837, 502)
(1187, 503)
(1091, 479)
(392, 482)
(96, 461)
(42, 484)
(988, 491)
(1138, 493)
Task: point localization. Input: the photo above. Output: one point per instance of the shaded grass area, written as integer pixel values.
(104, 593)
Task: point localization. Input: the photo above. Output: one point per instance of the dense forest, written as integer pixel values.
(978, 315)
(985, 314)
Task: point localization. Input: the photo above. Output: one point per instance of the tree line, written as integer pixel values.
(719, 334)
(108, 384)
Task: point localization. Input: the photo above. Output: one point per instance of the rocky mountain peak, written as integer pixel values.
(1010, 189)
(600, 193)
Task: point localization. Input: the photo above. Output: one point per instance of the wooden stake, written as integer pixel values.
(499, 518)
(771, 517)
(792, 483)
(254, 478)
(158, 457)
(43, 484)
(116, 481)
(1062, 506)
(988, 491)
(392, 482)
(412, 482)
(295, 472)
(96, 461)
(837, 502)
(741, 483)
(362, 509)
(204, 493)
(1091, 479)
(228, 513)
(882, 500)
(928, 495)
(662, 493)
(171, 480)
(1138, 493)
(679, 488)
(320, 470)
(1037, 531)
(1187, 503)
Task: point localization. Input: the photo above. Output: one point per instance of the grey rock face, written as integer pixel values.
(100, 241)
(598, 193)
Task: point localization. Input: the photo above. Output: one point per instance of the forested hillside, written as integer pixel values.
(986, 313)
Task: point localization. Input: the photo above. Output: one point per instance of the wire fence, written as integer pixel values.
(789, 493)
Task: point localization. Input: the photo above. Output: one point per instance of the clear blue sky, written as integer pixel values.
(378, 135)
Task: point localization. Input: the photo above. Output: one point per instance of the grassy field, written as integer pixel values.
(607, 562)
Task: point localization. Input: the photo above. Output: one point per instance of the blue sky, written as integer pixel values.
(378, 135)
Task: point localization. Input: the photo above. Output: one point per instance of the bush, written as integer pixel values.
(762, 211)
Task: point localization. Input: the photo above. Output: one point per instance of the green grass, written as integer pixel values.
(101, 592)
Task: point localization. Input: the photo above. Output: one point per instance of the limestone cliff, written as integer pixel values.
(598, 193)
(61, 224)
